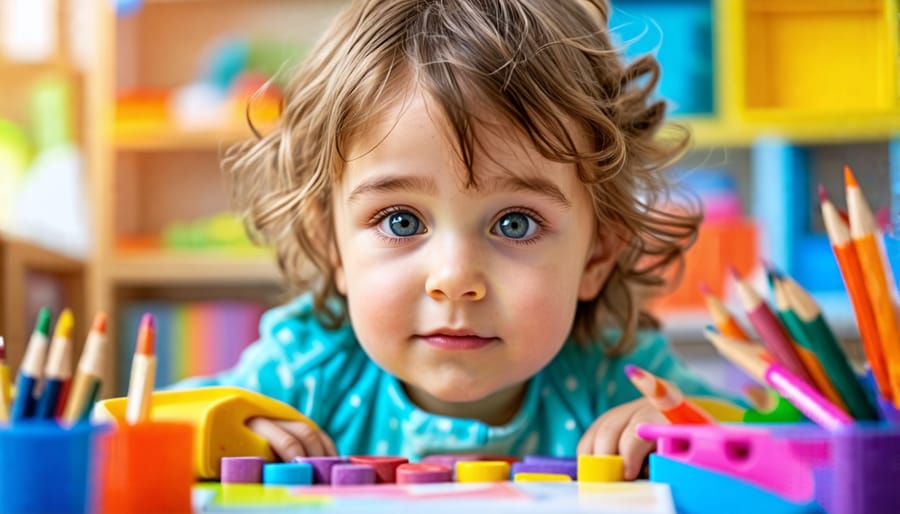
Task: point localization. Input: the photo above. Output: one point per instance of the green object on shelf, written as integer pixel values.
(51, 113)
(220, 231)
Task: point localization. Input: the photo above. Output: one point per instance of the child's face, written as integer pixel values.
(461, 293)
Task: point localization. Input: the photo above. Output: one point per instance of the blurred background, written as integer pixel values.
(114, 116)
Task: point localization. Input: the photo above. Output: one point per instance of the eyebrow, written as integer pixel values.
(391, 184)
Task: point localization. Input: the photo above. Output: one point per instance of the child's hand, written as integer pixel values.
(290, 439)
(615, 432)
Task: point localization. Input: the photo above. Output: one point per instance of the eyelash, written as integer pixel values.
(381, 215)
(534, 216)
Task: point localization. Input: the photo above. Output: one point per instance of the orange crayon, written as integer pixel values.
(666, 397)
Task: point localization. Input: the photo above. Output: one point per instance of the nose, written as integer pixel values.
(456, 272)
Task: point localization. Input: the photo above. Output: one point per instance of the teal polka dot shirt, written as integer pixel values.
(326, 375)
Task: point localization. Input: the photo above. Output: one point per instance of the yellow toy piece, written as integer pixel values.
(218, 414)
(541, 477)
(601, 468)
(482, 471)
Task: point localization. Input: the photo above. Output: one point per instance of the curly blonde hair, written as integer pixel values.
(536, 64)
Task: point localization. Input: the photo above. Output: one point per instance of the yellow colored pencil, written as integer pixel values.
(87, 381)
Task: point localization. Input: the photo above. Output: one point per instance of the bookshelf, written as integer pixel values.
(781, 94)
(155, 168)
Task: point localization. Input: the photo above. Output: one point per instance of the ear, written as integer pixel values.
(340, 278)
(600, 261)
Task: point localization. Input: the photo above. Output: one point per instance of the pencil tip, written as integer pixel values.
(43, 323)
(823, 195)
(849, 179)
(147, 320)
(734, 272)
(99, 325)
(64, 324)
(632, 371)
(146, 343)
(704, 288)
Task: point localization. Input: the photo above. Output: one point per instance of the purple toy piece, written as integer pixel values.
(352, 474)
(541, 464)
(321, 467)
(242, 470)
(423, 473)
(865, 470)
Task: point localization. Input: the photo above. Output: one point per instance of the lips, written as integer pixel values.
(449, 341)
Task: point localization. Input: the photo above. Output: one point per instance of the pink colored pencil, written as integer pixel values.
(769, 329)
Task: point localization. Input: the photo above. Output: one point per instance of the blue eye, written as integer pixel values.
(516, 225)
(402, 224)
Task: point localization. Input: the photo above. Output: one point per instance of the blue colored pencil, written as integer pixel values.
(31, 370)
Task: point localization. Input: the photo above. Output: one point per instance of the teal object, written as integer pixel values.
(679, 34)
(696, 490)
(287, 473)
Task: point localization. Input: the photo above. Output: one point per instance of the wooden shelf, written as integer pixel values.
(169, 138)
(193, 267)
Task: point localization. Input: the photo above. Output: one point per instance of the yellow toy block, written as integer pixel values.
(601, 468)
(482, 471)
(218, 414)
(541, 477)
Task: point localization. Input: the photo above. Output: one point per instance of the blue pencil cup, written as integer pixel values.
(46, 468)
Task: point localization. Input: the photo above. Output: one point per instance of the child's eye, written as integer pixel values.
(516, 225)
(401, 224)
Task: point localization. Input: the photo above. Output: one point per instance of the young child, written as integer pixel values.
(470, 190)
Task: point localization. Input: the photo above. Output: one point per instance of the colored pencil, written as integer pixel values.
(807, 349)
(769, 329)
(58, 368)
(87, 381)
(828, 349)
(867, 242)
(32, 368)
(722, 317)
(143, 371)
(809, 401)
(667, 398)
(4, 378)
(851, 271)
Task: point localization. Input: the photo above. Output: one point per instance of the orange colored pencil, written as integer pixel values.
(851, 271)
(721, 316)
(143, 373)
(666, 397)
(867, 242)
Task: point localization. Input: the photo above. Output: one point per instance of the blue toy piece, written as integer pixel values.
(288, 473)
(699, 491)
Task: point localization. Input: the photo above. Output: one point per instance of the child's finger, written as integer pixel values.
(311, 438)
(285, 444)
(633, 450)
